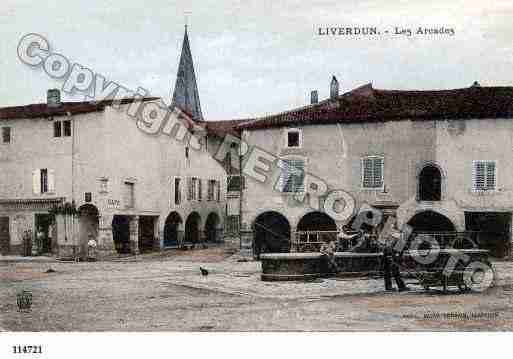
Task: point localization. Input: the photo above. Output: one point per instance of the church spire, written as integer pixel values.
(186, 95)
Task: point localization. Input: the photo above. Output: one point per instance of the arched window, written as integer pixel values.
(430, 184)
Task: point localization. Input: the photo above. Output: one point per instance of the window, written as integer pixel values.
(293, 138)
(6, 134)
(187, 152)
(57, 126)
(218, 194)
(43, 181)
(200, 189)
(292, 177)
(189, 189)
(128, 195)
(210, 190)
(62, 128)
(178, 191)
(104, 185)
(67, 128)
(235, 183)
(192, 188)
(485, 176)
(372, 172)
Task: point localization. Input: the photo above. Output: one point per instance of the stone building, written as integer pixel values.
(439, 160)
(76, 171)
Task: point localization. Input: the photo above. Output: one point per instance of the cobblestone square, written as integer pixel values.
(166, 292)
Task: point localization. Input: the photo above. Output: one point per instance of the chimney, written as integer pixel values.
(53, 98)
(314, 97)
(334, 88)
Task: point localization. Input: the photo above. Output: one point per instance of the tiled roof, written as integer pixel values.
(366, 104)
(221, 128)
(43, 110)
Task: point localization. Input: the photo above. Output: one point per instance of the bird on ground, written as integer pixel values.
(204, 272)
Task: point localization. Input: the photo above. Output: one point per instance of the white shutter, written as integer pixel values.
(367, 172)
(51, 181)
(36, 181)
(490, 176)
(479, 175)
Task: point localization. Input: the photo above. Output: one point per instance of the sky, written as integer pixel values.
(259, 57)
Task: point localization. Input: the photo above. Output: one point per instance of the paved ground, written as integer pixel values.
(167, 293)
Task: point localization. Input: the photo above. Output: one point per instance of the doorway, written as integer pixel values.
(44, 225)
(4, 235)
(121, 233)
(492, 231)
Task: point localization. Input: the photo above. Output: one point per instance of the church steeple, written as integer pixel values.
(186, 95)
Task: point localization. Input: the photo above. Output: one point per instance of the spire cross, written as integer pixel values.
(186, 15)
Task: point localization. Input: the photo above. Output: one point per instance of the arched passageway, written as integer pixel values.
(313, 229)
(430, 221)
(272, 233)
(147, 235)
(212, 228)
(192, 228)
(88, 224)
(440, 229)
(172, 229)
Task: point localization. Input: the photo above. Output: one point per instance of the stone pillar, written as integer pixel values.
(180, 234)
(134, 235)
(105, 239)
(246, 243)
(293, 241)
(158, 236)
(67, 236)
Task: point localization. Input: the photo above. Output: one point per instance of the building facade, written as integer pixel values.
(438, 160)
(72, 172)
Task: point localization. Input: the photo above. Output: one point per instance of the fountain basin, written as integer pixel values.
(312, 265)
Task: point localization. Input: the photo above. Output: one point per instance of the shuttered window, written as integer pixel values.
(372, 172)
(192, 188)
(189, 189)
(235, 183)
(210, 190)
(485, 177)
(6, 134)
(128, 195)
(178, 191)
(292, 178)
(43, 181)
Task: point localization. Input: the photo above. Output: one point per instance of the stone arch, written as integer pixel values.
(429, 182)
(271, 233)
(88, 226)
(212, 227)
(193, 228)
(431, 221)
(172, 229)
(316, 221)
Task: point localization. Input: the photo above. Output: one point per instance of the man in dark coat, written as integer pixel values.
(392, 257)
